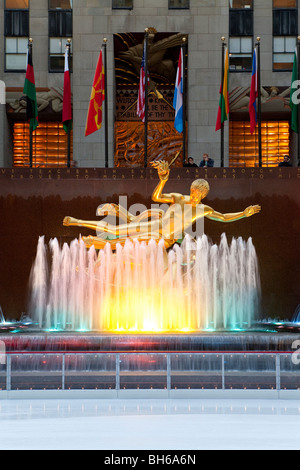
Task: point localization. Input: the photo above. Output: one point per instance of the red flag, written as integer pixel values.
(67, 100)
(30, 92)
(94, 116)
(141, 97)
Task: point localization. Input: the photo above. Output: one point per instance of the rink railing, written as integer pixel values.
(145, 370)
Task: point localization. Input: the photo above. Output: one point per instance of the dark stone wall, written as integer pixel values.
(33, 202)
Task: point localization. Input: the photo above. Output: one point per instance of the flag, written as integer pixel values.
(223, 110)
(30, 92)
(294, 88)
(94, 116)
(67, 102)
(178, 95)
(253, 94)
(141, 97)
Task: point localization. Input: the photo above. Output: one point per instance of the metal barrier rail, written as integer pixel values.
(150, 370)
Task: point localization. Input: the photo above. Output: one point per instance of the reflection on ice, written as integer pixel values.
(150, 424)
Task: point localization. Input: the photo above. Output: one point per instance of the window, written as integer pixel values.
(122, 4)
(15, 53)
(283, 52)
(284, 3)
(240, 35)
(60, 29)
(285, 32)
(285, 22)
(16, 32)
(243, 146)
(240, 4)
(50, 145)
(240, 53)
(179, 4)
(57, 54)
(60, 4)
(16, 4)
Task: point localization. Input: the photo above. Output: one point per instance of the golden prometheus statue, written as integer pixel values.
(157, 224)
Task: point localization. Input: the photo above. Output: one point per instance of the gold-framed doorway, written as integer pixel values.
(164, 142)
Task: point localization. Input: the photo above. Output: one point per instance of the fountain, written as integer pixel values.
(296, 316)
(143, 288)
(148, 285)
(2, 319)
(196, 296)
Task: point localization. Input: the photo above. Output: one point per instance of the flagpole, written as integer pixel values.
(30, 127)
(146, 100)
(184, 88)
(259, 102)
(222, 86)
(68, 45)
(298, 107)
(104, 45)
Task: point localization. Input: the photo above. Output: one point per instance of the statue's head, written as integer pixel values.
(199, 190)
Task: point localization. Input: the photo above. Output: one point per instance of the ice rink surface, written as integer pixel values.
(156, 424)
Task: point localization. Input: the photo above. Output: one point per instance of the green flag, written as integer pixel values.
(30, 92)
(294, 88)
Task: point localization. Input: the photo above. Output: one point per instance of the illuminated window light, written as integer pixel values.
(50, 145)
(243, 147)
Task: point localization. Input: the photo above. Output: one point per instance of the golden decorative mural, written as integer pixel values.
(163, 143)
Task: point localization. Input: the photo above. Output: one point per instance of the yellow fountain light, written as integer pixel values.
(144, 311)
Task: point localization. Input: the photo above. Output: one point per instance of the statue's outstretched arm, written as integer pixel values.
(231, 217)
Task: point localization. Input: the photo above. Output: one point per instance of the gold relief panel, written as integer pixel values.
(164, 142)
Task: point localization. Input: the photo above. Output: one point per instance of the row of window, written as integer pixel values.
(172, 4)
(285, 32)
(50, 146)
(128, 4)
(16, 31)
(241, 49)
(116, 4)
(16, 52)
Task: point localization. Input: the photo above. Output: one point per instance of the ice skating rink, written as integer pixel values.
(156, 424)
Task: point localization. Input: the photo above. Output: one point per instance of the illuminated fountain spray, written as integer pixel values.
(143, 288)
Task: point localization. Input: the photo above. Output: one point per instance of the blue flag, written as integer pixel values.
(178, 96)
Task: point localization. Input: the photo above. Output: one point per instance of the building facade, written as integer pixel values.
(50, 23)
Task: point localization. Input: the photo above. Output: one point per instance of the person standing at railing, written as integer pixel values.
(286, 161)
(206, 161)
